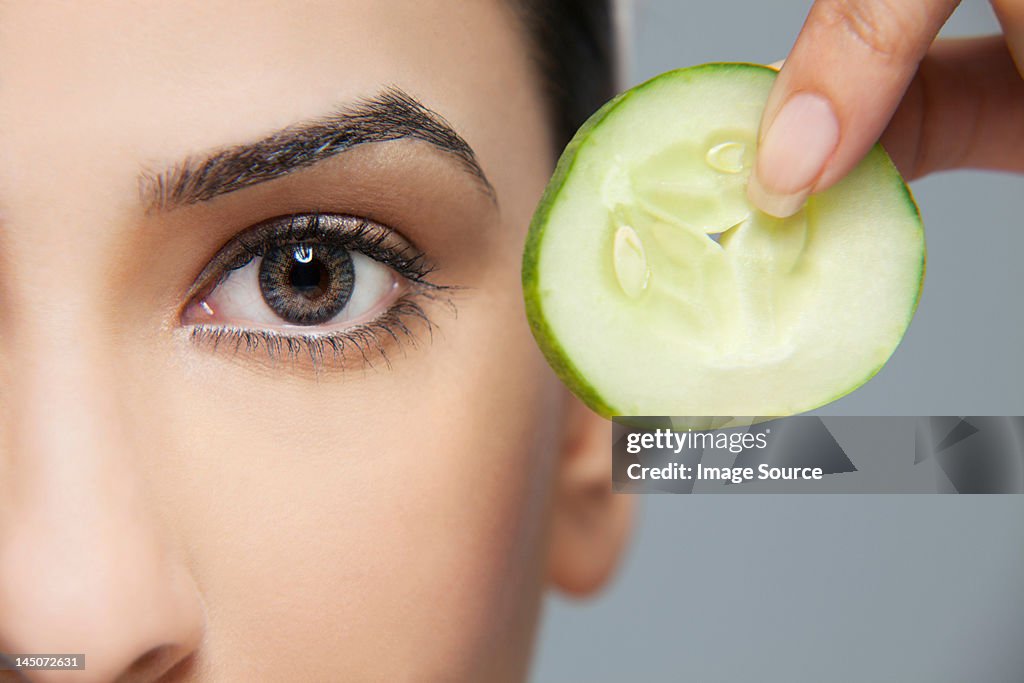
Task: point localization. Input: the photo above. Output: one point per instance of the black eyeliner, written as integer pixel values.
(349, 232)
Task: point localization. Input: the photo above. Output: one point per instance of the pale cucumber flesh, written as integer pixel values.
(655, 288)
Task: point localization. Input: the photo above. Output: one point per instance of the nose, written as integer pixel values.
(87, 564)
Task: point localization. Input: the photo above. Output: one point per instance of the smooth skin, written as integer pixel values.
(868, 69)
(183, 513)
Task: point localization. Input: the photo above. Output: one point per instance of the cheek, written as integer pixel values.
(390, 518)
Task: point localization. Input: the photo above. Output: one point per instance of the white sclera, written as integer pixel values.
(239, 301)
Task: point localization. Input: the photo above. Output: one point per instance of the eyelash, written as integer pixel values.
(370, 339)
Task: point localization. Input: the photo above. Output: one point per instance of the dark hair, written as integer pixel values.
(574, 48)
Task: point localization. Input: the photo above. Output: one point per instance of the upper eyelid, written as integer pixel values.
(241, 249)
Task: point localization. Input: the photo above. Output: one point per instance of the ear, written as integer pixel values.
(590, 523)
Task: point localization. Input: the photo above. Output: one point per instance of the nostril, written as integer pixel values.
(152, 665)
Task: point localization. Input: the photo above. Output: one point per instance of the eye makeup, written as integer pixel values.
(329, 288)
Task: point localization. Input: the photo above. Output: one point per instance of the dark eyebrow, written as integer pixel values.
(391, 115)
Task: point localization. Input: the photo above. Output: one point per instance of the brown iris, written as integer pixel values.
(307, 284)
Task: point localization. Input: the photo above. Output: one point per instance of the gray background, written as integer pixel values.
(837, 588)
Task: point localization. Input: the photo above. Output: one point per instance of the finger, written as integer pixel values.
(836, 92)
(964, 109)
(1011, 17)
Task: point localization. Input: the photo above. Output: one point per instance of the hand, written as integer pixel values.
(861, 67)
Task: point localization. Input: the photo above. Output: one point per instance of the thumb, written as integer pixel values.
(836, 92)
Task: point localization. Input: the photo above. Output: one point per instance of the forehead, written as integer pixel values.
(157, 80)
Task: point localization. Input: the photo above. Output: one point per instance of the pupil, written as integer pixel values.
(310, 280)
(307, 284)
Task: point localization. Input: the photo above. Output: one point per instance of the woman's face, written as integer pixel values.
(323, 448)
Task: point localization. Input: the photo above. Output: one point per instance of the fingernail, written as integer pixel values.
(793, 153)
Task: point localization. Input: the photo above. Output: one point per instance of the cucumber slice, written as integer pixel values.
(654, 288)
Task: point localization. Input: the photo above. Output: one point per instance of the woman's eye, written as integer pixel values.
(303, 277)
(299, 285)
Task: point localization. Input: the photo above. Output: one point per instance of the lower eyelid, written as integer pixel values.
(367, 344)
